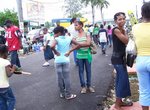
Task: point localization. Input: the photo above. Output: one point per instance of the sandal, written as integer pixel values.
(127, 103)
(72, 96)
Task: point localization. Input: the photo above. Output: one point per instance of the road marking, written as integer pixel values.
(26, 73)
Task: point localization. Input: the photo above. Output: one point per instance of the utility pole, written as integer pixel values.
(136, 12)
(20, 14)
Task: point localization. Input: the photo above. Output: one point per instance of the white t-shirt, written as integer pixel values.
(91, 29)
(102, 37)
(48, 37)
(24, 42)
(4, 82)
(72, 31)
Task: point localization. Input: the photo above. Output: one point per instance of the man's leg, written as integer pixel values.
(14, 58)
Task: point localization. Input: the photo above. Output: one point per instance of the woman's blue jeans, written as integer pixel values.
(84, 63)
(110, 39)
(62, 70)
(122, 85)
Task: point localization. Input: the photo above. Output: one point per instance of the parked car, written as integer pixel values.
(35, 34)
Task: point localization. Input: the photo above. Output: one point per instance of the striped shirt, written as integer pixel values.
(82, 53)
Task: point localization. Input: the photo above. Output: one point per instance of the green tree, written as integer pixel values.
(47, 24)
(99, 3)
(102, 4)
(76, 15)
(9, 14)
(73, 7)
(92, 3)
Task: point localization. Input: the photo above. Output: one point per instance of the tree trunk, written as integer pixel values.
(102, 17)
(93, 14)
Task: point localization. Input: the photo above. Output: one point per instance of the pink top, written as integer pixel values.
(109, 31)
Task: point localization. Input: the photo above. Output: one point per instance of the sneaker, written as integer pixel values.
(91, 89)
(61, 96)
(83, 90)
(46, 64)
(72, 96)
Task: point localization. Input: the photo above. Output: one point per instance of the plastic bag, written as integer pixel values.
(131, 47)
(131, 52)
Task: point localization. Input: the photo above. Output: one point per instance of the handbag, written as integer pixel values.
(131, 52)
(130, 59)
(93, 48)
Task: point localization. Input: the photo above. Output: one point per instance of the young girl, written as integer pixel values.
(120, 39)
(7, 99)
(62, 62)
(109, 31)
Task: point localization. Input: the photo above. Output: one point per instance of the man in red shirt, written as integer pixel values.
(13, 38)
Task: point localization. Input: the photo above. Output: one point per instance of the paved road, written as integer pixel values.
(39, 90)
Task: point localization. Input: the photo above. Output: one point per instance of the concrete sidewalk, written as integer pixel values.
(136, 106)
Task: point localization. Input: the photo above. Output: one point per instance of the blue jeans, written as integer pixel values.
(122, 85)
(110, 39)
(48, 54)
(62, 70)
(143, 72)
(7, 99)
(75, 57)
(87, 64)
(103, 47)
(14, 58)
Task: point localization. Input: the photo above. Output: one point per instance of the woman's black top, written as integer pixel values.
(118, 55)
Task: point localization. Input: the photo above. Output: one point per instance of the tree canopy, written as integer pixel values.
(73, 7)
(9, 14)
(96, 3)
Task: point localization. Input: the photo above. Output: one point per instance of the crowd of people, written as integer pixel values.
(58, 47)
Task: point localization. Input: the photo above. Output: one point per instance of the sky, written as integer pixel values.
(54, 8)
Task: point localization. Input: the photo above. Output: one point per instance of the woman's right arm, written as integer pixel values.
(121, 35)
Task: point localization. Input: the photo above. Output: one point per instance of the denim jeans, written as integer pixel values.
(62, 70)
(122, 85)
(14, 58)
(87, 64)
(103, 45)
(48, 54)
(143, 73)
(110, 39)
(7, 99)
(75, 57)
